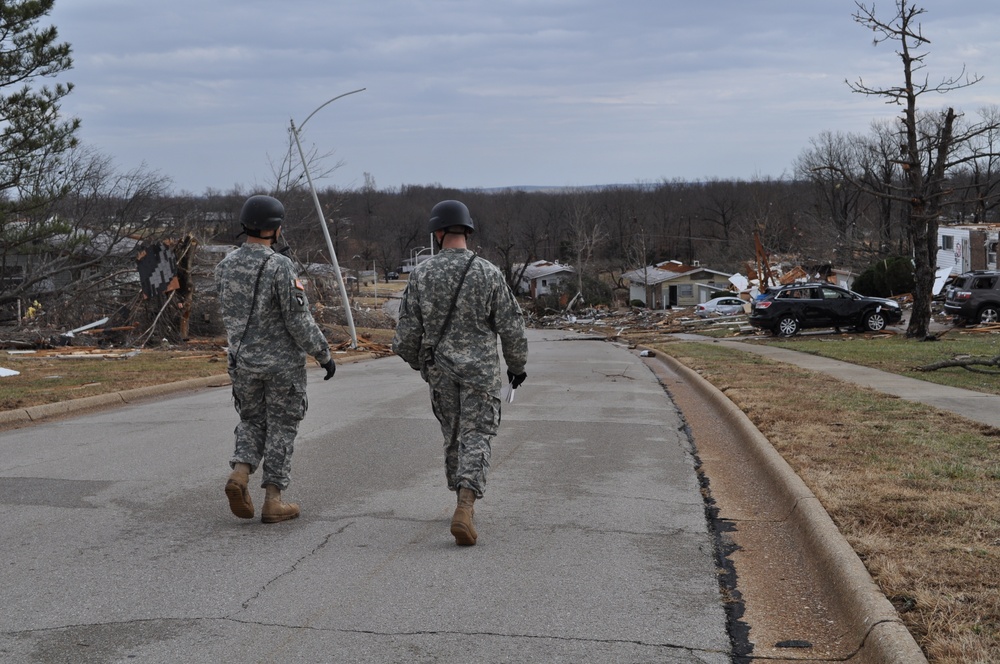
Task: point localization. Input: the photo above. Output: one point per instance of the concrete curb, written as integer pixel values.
(33, 414)
(876, 625)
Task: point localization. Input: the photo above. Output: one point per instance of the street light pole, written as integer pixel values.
(322, 218)
(416, 258)
(413, 261)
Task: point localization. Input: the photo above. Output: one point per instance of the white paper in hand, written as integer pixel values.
(507, 394)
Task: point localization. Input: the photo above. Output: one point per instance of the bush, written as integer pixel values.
(597, 292)
(886, 278)
(638, 303)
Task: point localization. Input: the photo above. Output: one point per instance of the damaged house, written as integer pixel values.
(674, 284)
(542, 277)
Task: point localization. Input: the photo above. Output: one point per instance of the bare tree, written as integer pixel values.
(502, 227)
(79, 251)
(929, 146)
(585, 235)
(978, 179)
(838, 203)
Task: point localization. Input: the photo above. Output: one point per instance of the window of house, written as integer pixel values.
(991, 253)
(12, 275)
(685, 290)
(947, 242)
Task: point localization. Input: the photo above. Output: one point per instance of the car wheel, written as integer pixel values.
(874, 321)
(787, 327)
(989, 314)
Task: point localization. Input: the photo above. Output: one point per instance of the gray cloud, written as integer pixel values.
(475, 93)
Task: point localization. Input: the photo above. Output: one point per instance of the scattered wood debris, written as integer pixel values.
(992, 328)
(364, 346)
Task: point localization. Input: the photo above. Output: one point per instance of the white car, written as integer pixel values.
(721, 306)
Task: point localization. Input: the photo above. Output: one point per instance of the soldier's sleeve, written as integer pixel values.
(299, 322)
(410, 328)
(219, 283)
(509, 322)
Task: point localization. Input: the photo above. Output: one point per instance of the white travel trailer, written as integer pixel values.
(967, 247)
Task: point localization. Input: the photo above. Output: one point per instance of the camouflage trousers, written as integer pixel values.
(270, 405)
(469, 421)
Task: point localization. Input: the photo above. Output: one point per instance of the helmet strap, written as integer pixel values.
(258, 233)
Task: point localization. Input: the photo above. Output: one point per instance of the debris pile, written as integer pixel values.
(610, 323)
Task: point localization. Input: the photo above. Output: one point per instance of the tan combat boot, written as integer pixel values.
(461, 523)
(236, 491)
(275, 509)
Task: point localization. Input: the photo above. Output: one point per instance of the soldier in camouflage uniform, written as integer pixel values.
(456, 352)
(270, 332)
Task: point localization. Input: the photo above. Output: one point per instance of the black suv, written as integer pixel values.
(787, 309)
(974, 297)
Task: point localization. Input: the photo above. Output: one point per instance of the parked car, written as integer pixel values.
(787, 309)
(391, 276)
(974, 297)
(722, 306)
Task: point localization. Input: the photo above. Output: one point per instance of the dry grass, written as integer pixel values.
(916, 491)
(57, 375)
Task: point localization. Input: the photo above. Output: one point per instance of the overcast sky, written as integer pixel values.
(476, 93)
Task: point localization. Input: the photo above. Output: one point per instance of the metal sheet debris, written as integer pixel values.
(89, 326)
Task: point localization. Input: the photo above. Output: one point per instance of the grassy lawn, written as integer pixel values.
(902, 356)
(915, 490)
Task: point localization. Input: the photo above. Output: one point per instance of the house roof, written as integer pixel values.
(540, 269)
(661, 272)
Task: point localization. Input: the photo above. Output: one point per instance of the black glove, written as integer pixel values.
(515, 381)
(331, 369)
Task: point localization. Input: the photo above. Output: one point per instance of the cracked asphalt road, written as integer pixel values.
(118, 544)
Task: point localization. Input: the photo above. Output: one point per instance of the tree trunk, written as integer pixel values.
(924, 243)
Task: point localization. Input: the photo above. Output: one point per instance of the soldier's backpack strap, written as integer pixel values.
(253, 307)
(451, 309)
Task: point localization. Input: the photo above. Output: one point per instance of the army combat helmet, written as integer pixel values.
(261, 213)
(446, 214)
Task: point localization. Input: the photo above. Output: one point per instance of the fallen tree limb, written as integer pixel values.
(967, 362)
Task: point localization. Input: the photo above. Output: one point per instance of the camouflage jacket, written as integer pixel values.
(484, 310)
(281, 331)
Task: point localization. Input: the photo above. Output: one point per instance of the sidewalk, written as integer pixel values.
(972, 405)
(976, 406)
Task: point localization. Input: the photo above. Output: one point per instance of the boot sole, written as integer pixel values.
(277, 518)
(463, 536)
(239, 500)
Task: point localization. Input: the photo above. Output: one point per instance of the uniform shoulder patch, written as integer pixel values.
(298, 284)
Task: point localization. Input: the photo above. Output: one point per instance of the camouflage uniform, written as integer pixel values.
(267, 355)
(464, 373)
